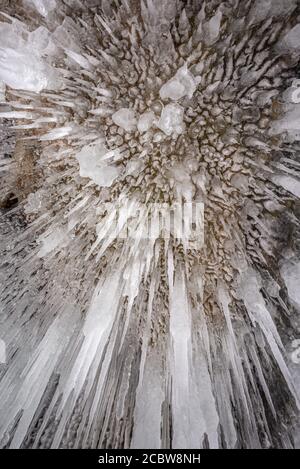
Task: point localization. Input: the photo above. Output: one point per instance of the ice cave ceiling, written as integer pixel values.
(127, 110)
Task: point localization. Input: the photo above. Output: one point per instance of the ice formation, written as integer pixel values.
(171, 119)
(125, 118)
(92, 165)
(182, 84)
(114, 112)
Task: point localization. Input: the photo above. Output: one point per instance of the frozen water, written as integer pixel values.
(34, 201)
(43, 6)
(92, 165)
(151, 388)
(21, 64)
(212, 28)
(171, 119)
(2, 91)
(24, 70)
(145, 121)
(182, 84)
(125, 118)
(2, 351)
(290, 123)
(291, 40)
(56, 238)
(118, 336)
(173, 89)
(289, 183)
(291, 275)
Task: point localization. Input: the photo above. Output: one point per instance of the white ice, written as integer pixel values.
(21, 63)
(34, 201)
(182, 84)
(150, 390)
(289, 183)
(291, 275)
(291, 41)
(125, 118)
(263, 9)
(212, 28)
(92, 165)
(145, 121)
(2, 91)
(2, 351)
(290, 122)
(57, 237)
(43, 6)
(171, 119)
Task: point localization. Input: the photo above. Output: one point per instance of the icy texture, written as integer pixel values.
(42, 6)
(145, 121)
(182, 84)
(289, 183)
(150, 390)
(56, 239)
(171, 119)
(289, 123)
(92, 165)
(21, 63)
(212, 28)
(2, 351)
(125, 118)
(114, 116)
(2, 91)
(291, 276)
(291, 40)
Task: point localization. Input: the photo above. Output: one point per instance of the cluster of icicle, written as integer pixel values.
(115, 342)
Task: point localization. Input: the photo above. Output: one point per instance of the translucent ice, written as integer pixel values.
(145, 121)
(41, 41)
(24, 70)
(171, 119)
(151, 388)
(173, 89)
(91, 164)
(290, 122)
(262, 8)
(291, 276)
(2, 351)
(57, 237)
(182, 84)
(125, 118)
(180, 331)
(65, 35)
(21, 63)
(289, 183)
(2, 91)
(213, 28)
(120, 329)
(79, 59)
(291, 40)
(12, 35)
(43, 6)
(34, 201)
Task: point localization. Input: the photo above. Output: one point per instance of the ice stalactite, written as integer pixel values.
(124, 323)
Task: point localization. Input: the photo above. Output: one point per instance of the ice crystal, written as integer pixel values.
(114, 112)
